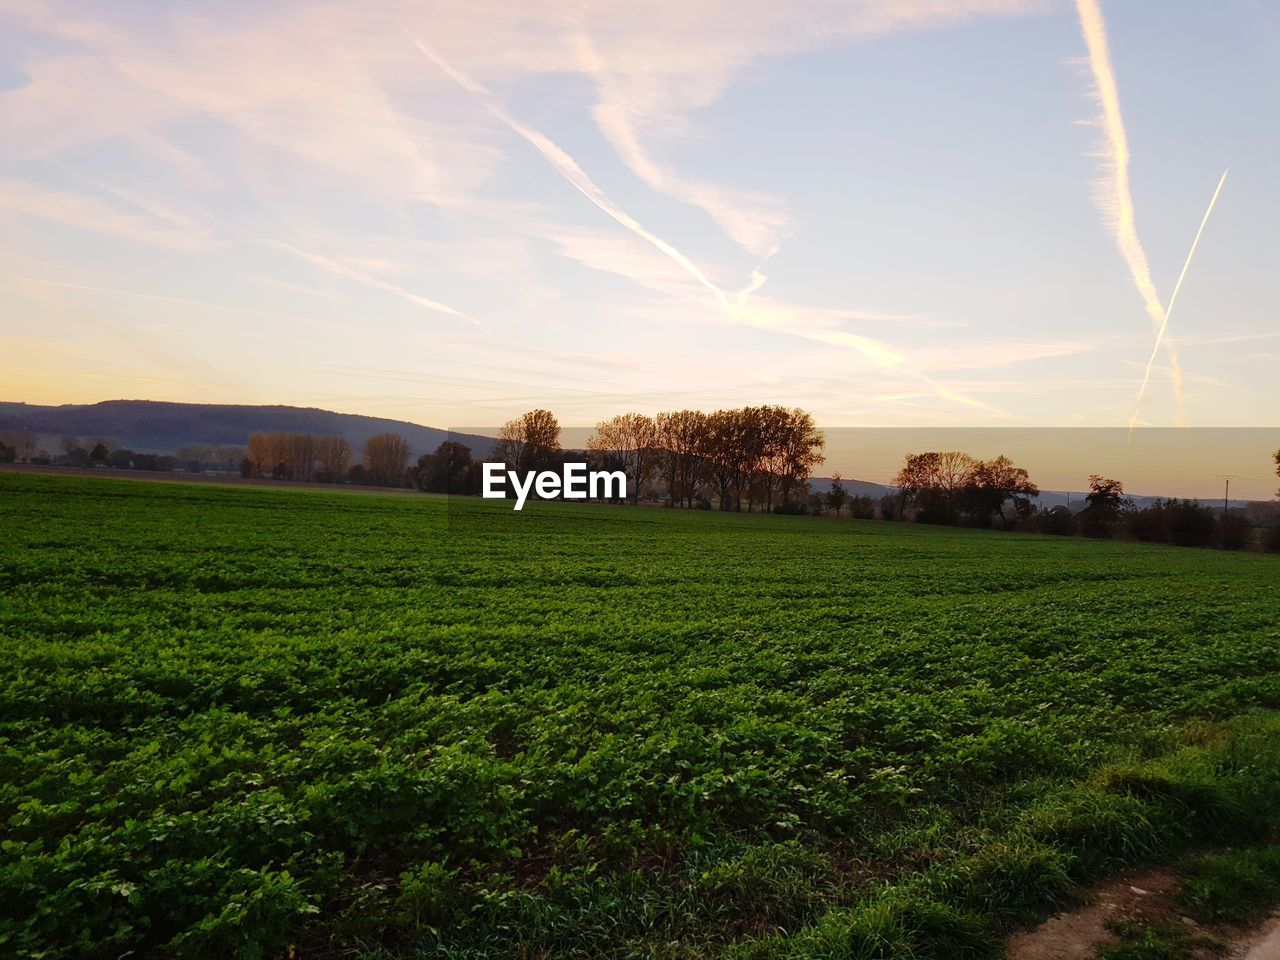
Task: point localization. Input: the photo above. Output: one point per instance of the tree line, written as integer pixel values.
(954, 488)
(752, 458)
(384, 459)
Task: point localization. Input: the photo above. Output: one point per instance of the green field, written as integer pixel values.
(239, 719)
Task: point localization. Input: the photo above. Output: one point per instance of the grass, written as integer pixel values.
(1233, 886)
(238, 719)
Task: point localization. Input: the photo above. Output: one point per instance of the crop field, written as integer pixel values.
(259, 722)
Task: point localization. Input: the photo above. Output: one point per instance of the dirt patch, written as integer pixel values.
(1080, 933)
(1145, 898)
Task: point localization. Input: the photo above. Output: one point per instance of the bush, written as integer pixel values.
(1057, 522)
(1190, 524)
(1235, 532)
(1150, 525)
(862, 508)
(1271, 540)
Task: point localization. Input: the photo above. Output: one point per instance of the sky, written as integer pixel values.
(888, 212)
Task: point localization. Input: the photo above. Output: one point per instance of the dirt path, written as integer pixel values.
(1143, 897)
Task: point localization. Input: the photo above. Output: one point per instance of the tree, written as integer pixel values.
(934, 481)
(837, 495)
(99, 453)
(448, 470)
(890, 506)
(993, 483)
(386, 457)
(802, 444)
(627, 442)
(1106, 506)
(332, 459)
(22, 442)
(529, 442)
(7, 453)
(1277, 460)
(680, 438)
(725, 456)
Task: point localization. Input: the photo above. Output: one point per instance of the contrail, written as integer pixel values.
(1172, 300)
(342, 270)
(569, 169)
(1117, 202)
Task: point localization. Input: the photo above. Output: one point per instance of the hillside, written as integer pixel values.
(155, 427)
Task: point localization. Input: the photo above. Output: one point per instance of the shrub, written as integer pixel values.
(1235, 532)
(1190, 524)
(862, 508)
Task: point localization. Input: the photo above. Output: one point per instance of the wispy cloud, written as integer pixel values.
(89, 213)
(348, 272)
(754, 221)
(762, 316)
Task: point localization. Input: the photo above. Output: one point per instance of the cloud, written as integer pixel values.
(349, 272)
(88, 213)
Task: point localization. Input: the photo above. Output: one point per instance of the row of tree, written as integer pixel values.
(384, 459)
(951, 486)
(86, 452)
(759, 457)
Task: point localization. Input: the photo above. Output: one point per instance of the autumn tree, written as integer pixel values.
(332, 458)
(680, 436)
(628, 443)
(727, 453)
(386, 457)
(802, 444)
(529, 442)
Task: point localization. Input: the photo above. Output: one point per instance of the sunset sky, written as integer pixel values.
(889, 212)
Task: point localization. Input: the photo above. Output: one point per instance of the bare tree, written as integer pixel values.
(680, 438)
(628, 443)
(23, 442)
(529, 442)
(386, 457)
(332, 458)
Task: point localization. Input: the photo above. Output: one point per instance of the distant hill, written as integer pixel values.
(150, 426)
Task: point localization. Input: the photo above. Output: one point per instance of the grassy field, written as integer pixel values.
(235, 720)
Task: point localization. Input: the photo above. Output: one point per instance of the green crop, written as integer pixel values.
(235, 720)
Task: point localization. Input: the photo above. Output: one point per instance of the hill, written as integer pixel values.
(152, 426)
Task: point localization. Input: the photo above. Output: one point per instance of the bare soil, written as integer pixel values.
(1143, 897)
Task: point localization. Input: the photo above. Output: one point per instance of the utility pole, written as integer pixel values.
(1226, 489)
